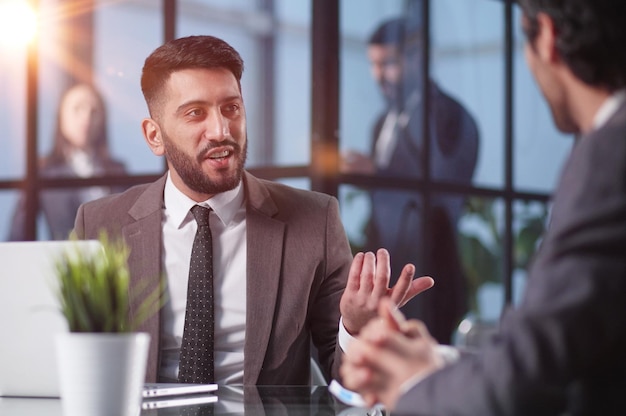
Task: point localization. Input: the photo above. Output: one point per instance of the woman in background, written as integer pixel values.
(80, 149)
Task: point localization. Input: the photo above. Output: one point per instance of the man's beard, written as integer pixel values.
(389, 92)
(190, 170)
(396, 95)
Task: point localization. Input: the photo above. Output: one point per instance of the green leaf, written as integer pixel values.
(94, 290)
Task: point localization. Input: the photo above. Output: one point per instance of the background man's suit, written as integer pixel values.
(396, 221)
(571, 325)
(298, 259)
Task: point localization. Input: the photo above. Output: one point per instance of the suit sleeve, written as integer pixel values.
(564, 346)
(325, 321)
(79, 223)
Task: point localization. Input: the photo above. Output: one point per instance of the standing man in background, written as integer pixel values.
(561, 351)
(396, 222)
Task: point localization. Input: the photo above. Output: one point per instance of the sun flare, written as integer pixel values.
(18, 23)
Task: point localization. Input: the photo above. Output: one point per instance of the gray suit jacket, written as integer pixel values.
(564, 347)
(297, 267)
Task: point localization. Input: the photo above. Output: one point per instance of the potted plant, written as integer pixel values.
(102, 360)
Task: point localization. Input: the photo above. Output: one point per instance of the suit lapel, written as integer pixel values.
(144, 234)
(265, 238)
(143, 237)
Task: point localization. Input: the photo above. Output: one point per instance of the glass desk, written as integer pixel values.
(231, 400)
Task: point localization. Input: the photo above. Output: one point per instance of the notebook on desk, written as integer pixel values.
(30, 316)
(160, 396)
(160, 390)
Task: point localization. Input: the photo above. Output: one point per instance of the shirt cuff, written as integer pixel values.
(447, 353)
(344, 337)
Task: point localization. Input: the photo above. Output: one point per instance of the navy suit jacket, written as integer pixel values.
(396, 221)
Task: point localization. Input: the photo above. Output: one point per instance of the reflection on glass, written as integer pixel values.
(301, 183)
(7, 205)
(395, 54)
(355, 206)
(394, 51)
(481, 247)
(481, 242)
(529, 223)
(290, 143)
(468, 61)
(124, 33)
(80, 149)
(12, 110)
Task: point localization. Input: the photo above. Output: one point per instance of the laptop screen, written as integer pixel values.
(30, 316)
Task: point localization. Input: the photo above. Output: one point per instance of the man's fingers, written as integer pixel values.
(355, 377)
(354, 275)
(400, 289)
(420, 285)
(368, 272)
(416, 287)
(388, 311)
(415, 329)
(383, 273)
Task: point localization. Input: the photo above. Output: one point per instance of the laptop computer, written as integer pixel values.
(30, 316)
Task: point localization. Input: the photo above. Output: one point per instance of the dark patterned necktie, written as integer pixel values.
(196, 353)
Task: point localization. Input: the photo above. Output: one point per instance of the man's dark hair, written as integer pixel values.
(389, 32)
(189, 52)
(591, 37)
(403, 33)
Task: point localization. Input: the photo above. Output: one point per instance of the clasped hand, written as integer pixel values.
(389, 353)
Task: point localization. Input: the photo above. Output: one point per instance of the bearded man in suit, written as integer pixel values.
(561, 351)
(280, 257)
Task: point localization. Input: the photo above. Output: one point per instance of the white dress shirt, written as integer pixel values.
(608, 108)
(388, 137)
(228, 230)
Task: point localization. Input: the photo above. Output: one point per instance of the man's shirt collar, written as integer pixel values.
(225, 204)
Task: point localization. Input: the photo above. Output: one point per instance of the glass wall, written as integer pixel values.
(467, 61)
(389, 105)
(274, 41)
(125, 33)
(13, 109)
(482, 107)
(466, 206)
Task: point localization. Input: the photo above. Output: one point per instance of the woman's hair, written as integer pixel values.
(98, 142)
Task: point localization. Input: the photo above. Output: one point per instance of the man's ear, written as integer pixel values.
(152, 134)
(545, 42)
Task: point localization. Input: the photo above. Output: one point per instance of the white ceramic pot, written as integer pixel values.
(102, 374)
